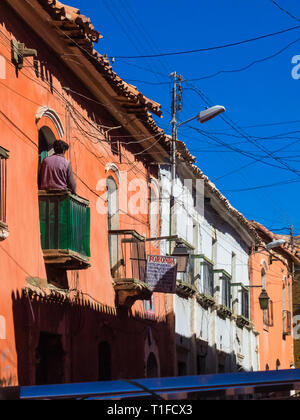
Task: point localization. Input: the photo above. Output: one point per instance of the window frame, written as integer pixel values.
(153, 209)
(208, 289)
(225, 291)
(4, 155)
(245, 301)
(113, 223)
(268, 315)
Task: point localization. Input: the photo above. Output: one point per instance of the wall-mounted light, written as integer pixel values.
(263, 297)
(19, 52)
(182, 253)
(264, 300)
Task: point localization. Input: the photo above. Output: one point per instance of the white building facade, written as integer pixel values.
(213, 331)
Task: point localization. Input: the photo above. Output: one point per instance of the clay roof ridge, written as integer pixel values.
(64, 12)
(61, 12)
(72, 15)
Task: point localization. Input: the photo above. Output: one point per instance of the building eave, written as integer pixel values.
(129, 107)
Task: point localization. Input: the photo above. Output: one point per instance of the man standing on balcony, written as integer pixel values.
(56, 170)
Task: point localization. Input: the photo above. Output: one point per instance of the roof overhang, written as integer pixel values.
(131, 110)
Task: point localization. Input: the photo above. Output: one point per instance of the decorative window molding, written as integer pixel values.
(45, 111)
(112, 167)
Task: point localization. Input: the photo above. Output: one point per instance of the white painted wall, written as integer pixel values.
(239, 344)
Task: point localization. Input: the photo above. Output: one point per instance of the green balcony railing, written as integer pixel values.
(65, 228)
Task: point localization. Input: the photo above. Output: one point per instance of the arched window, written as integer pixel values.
(263, 278)
(113, 223)
(152, 367)
(46, 140)
(104, 362)
(154, 212)
(112, 204)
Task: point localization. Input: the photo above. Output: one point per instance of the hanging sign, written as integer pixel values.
(162, 273)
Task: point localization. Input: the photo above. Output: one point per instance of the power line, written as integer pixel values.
(285, 10)
(240, 131)
(116, 14)
(233, 44)
(276, 184)
(235, 149)
(262, 60)
(223, 71)
(208, 102)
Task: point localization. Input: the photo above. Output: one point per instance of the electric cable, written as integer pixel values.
(290, 181)
(207, 101)
(232, 44)
(285, 10)
(240, 131)
(224, 71)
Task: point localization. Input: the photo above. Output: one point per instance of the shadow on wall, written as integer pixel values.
(59, 340)
(207, 359)
(48, 67)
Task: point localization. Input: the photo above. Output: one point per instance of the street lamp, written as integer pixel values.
(263, 297)
(275, 244)
(264, 300)
(182, 253)
(203, 116)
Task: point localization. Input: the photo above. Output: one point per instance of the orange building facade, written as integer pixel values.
(273, 271)
(79, 312)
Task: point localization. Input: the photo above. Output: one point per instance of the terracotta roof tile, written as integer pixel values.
(128, 95)
(79, 29)
(272, 236)
(66, 14)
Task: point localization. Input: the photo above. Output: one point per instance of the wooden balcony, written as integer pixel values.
(128, 267)
(65, 230)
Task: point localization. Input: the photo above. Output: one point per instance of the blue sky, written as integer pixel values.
(258, 143)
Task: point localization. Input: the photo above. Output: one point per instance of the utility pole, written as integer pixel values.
(176, 106)
(293, 247)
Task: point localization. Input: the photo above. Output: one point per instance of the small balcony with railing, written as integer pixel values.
(65, 229)
(206, 284)
(128, 264)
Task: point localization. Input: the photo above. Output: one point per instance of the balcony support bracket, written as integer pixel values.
(128, 291)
